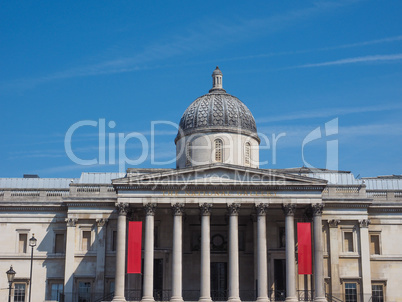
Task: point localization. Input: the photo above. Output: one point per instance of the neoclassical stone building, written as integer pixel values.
(216, 228)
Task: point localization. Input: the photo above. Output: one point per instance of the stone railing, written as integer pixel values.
(86, 190)
(378, 195)
(32, 194)
(359, 191)
(344, 191)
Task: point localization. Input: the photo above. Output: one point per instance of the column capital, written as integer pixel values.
(317, 209)
(333, 223)
(233, 208)
(122, 208)
(289, 209)
(261, 208)
(100, 222)
(71, 222)
(178, 209)
(364, 223)
(150, 209)
(206, 209)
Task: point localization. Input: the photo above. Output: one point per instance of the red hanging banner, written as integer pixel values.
(304, 248)
(134, 247)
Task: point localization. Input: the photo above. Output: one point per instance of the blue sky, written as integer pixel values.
(297, 65)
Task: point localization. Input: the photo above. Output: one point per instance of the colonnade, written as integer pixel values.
(233, 251)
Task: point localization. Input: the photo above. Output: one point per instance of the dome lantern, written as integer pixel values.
(217, 80)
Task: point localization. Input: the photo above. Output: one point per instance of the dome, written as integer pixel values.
(217, 111)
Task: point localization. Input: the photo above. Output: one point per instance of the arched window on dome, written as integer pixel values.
(247, 154)
(188, 154)
(218, 150)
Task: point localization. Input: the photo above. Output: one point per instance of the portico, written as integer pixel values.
(261, 194)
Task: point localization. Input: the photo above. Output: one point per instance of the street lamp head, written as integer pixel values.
(10, 274)
(32, 241)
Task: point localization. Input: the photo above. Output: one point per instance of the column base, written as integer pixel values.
(148, 299)
(291, 299)
(263, 299)
(119, 299)
(320, 299)
(234, 299)
(205, 299)
(176, 299)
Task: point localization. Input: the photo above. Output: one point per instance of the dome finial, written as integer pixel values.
(217, 79)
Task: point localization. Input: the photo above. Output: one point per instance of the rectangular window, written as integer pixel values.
(377, 292)
(86, 240)
(282, 237)
(22, 247)
(188, 154)
(56, 291)
(348, 242)
(59, 243)
(114, 240)
(19, 292)
(350, 292)
(375, 244)
(84, 291)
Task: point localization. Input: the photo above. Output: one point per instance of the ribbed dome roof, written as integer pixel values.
(217, 111)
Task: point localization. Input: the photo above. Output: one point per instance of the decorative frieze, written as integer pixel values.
(333, 223)
(364, 223)
(234, 208)
(206, 209)
(71, 222)
(317, 208)
(261, 208)
(178, 209)
(289, 209)
(150, 209)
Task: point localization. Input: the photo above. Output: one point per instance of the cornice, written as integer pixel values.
(90, 199)
(60, 208)
(347, 205)
(234, 187)
(90, 204)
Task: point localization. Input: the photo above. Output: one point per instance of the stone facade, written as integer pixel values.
(216, 230)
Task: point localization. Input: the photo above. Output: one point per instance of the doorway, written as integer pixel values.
(219, 281)
(280, 279)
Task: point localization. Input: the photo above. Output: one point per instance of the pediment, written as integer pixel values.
(219, 175)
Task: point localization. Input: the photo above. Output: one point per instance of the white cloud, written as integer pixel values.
(327, 112)
(365, 59)
(193, 39)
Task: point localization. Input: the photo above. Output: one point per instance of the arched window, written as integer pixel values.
(218, 150)
(188, 154)
(247, 154)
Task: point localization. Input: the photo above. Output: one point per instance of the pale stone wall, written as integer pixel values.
(202, 149)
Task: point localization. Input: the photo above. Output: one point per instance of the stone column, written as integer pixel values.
(69, 266)
(262, 253)
(205, 286)
(336, 291)
(289, 210)
(120, 252)
(178, 211)
(234, 295)
(318, 254)
(148, 285)
(100, 256)
(365, 259)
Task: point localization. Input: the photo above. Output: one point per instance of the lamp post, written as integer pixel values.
(10, 276)
(32, 244)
